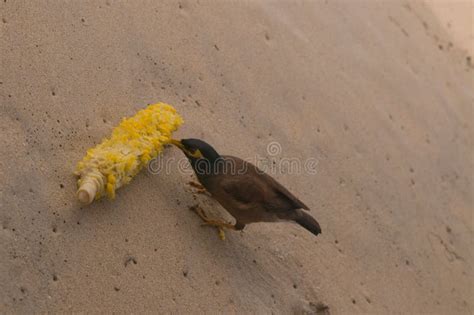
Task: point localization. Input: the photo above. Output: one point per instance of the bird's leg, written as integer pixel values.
(202, 191)
(195, 185)
(220, 227)
(218, 224)
(200, 212)
(199, 188)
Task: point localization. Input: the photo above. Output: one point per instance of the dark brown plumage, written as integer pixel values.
(246, 192)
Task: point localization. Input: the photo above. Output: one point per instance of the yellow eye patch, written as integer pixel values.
(197, 154)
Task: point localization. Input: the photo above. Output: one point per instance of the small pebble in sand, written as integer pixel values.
(129, 260)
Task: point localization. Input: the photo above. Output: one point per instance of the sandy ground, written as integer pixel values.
(457, 17)
(380, 93)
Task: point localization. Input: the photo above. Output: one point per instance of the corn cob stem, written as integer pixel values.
(90, 187)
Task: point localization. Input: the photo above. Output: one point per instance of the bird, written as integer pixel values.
(246, 192)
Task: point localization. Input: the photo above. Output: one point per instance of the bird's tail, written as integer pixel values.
(308, 222)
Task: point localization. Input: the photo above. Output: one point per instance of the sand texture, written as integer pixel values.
(380, 93)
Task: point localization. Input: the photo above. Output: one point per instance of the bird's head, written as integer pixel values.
(196, 149)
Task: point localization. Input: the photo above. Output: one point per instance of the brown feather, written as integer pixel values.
(249, 194)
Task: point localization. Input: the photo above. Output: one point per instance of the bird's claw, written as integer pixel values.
(220, 227)
(199, 189)
(221, 233)
(207, 222)
(196, 185)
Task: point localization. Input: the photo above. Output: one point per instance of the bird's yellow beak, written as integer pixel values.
(178, 144)
(196, 154)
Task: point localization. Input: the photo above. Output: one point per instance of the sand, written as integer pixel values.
(379, 93)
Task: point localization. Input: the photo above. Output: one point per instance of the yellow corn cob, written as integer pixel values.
(133, 144)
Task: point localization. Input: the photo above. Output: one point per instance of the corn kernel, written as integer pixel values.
(134, 142)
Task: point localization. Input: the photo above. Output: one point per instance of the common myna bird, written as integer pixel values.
(245, 191)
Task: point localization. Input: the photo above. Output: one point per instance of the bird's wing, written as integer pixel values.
(287, 197)
(243, 189)
(261, 187)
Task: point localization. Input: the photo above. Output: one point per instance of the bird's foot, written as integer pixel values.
(208, 222)
(220, 227)
(219, 224)
(202, 191)
(199, 188)
(195, 185)
(200, 212)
